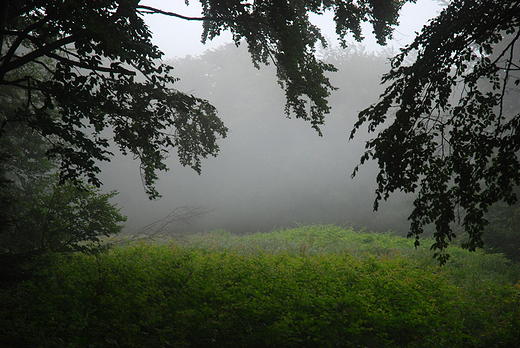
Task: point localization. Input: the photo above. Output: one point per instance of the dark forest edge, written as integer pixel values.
(311, 286)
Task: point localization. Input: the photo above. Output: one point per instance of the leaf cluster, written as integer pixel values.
(448, 121)
(281, 32)
(102, 82)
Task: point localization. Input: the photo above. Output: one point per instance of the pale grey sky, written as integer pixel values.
(178, 37)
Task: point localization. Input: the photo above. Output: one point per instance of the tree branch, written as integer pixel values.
(152, 10)
(44, 50)
(18, 83)
(511, 47)
(169, 225)
(10, 53)
(90, 67)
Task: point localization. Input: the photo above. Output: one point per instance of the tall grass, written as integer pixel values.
(463, 266)
(313, 286)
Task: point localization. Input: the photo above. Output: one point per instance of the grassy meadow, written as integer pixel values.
(312, 286)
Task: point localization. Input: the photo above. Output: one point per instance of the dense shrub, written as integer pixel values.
(180, 296)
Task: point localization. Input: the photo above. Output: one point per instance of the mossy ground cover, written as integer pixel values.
(314, 286)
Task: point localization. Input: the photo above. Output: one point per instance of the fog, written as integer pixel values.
(272, 172)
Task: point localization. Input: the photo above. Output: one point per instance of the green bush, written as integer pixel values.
(242, 296)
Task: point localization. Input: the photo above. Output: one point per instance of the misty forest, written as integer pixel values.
(272, 192)
(271, 171)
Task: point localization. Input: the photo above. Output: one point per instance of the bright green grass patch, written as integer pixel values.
(464, 267)
(306, 240)
(319, 286)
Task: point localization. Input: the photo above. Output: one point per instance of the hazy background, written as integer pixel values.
(178, 38)
(271, 171)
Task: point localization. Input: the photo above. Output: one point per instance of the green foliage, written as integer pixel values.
(463, 268)
(59, 218)
(450, 121)
(40, 214)
(305, 240)
(179, 296)
(64, 219)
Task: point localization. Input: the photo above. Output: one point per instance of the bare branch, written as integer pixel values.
(506, 78)
(170, 224)
(152, 10)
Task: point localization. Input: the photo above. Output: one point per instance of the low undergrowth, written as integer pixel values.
(315, 286)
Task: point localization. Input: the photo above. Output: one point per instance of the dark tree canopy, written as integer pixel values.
(448, 124)
(104, 79)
